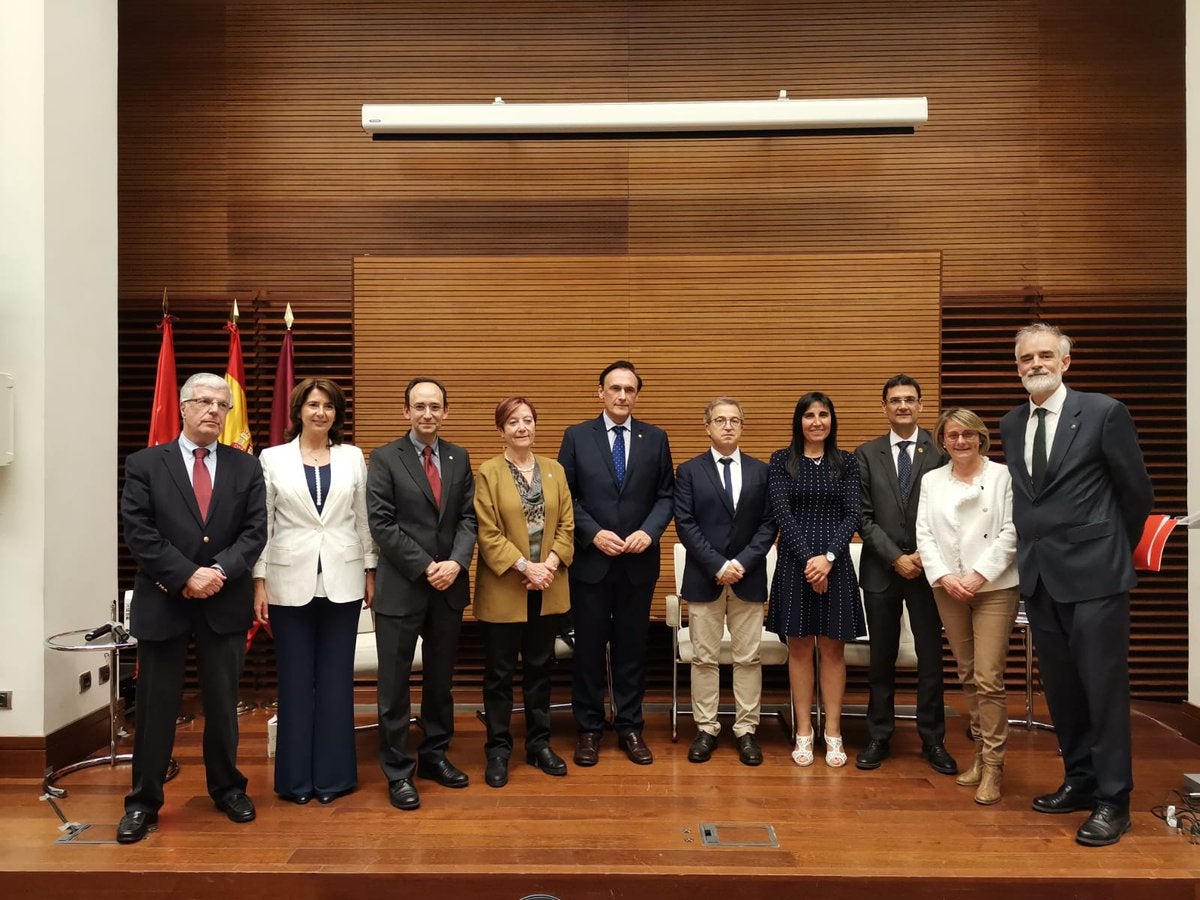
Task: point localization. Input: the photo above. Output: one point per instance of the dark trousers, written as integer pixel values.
(219, 660)
(1083, 657)
(314, 649)
(883, 611)
(615, 614)
(396, 639)
(533, 642)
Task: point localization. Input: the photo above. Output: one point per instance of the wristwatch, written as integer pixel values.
(830, 555)
(522, 565)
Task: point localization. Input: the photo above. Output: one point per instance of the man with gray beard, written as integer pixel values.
(1081, 494)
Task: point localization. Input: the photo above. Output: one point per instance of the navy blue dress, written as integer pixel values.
(816, 515)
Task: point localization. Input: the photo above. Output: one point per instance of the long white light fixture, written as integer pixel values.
(668, 119)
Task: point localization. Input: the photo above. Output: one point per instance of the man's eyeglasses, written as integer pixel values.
(903, 401)
(206, 402)
(722, 421)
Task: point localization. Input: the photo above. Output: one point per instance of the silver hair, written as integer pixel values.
(1036, 328)
(203, 379)
(722, 401)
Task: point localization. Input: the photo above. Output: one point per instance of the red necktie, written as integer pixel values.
(201, 481)
(435, 478)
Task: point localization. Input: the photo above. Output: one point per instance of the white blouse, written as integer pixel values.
(964, 528)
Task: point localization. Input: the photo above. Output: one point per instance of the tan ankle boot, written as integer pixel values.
(974, 774)
(989, 786)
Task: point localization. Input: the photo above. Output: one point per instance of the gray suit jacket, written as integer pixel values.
(412, 531)
(1078, 532)
(889, 527)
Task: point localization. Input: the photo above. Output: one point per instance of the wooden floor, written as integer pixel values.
(618, 830)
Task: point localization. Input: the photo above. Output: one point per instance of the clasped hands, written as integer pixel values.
(441, 575)
(963, 588)
(612, 544)
(204, 582)
(816, 573)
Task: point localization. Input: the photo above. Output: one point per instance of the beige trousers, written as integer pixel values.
(707, 623)
(978, 632)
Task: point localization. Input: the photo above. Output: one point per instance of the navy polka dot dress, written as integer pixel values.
(815, 514)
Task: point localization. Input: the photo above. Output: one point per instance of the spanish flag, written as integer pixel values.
(237, 423)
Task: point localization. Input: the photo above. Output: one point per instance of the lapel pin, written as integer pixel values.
(448, 456)
(920, 449)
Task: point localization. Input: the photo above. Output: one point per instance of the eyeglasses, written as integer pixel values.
(903, 401)
(953, 437)
(207, 402)
(722, 421)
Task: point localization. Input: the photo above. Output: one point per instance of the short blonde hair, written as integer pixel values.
(967, 419)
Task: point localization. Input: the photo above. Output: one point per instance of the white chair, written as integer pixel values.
(773, 651)
(366, 658)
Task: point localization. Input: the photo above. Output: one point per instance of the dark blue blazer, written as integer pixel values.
(642, 503)
(169, 540)
(713, 532)
(1078, 532)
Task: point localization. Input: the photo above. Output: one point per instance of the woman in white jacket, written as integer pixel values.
(968, 547)
(314, 575)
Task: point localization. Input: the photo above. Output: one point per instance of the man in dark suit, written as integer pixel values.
(621, 479)
(1081, 494)
(725, 522)
(196, 521)
(421, 508)
(891, 576)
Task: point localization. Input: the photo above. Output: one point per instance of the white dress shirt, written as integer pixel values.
(1053, 406)
(609, 425)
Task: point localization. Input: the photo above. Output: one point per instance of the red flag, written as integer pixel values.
(164, 412)
(1149, 552)
(237, 423)
(285, 380)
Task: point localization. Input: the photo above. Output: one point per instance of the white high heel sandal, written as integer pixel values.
(835, 752)
(803, 754)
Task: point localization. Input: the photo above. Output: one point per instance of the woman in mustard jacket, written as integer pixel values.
(526, 540)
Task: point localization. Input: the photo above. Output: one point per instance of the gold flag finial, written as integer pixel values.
(234, 316)
(288, 318)
(166, 306)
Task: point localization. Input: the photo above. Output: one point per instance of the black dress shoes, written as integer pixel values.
(135, 825)
(1104, 826)
(1066, 799)
(443, 772)
(587, 748)
(748, 750)
(327, 797)
(237, 806)
(547, 760)
(940, 759)
(873, 755)
(703, 745)
(636, 749)
(299, 799)
(496, 774)
(403, 794)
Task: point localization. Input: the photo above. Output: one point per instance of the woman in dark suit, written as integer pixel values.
(310, 584)
(526, 537)
(816, 499)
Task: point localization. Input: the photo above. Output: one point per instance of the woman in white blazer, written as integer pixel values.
(312, 579)
(968, 547)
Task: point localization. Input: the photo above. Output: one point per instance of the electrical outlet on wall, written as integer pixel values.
(5, 699)
(85, 681)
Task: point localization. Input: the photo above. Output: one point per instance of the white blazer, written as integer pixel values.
(964, 528)
(297, 536)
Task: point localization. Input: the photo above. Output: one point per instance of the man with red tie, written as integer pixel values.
(196, 521)
(421, 508)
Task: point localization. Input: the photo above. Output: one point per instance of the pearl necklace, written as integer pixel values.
(532, 465)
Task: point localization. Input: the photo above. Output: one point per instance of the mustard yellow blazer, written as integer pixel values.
(500, 593)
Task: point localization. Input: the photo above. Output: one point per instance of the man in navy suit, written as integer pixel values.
(725, 522)
(621, 479)
(421, 508)
(1081, 494)
(196, 521)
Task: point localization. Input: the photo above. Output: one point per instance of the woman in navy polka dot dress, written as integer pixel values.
(817, 500)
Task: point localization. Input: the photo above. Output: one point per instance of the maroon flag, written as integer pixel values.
(285, 380)
(164, 412)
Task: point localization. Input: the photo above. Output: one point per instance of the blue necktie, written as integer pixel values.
(727, 464)
(619, 453)
(904, 470)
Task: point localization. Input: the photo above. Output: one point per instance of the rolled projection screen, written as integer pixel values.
(426, 121)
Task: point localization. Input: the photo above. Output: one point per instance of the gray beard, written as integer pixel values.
(1041, 384)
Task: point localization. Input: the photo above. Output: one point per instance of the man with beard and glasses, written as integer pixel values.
(1081, 494)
